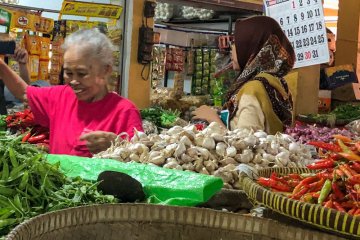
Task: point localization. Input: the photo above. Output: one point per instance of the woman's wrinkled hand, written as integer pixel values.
(21, 55)
(98, 141)
(206, 113)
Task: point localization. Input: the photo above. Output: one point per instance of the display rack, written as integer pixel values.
(238, 6)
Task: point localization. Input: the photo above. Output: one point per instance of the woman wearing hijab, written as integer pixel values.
(259, 98)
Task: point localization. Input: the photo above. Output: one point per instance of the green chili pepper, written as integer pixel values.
(6, 213)
(325, 191)
(4, 201)
(5, 171)
(17, 172)
(13, 157)
(24, 180)
(6, 191)
(17, 202)
(7, 222)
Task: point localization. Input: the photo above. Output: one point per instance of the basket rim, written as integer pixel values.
(221, 220)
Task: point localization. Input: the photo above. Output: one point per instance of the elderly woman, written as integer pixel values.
(83, 116)
(259, 98)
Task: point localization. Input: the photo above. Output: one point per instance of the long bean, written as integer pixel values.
(29, 185)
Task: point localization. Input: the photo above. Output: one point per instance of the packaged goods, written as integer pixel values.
(34, 67)
(44, 48)
(43, 70)
(33, 44)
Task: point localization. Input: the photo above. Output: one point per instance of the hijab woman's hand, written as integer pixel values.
(206, 113)
(98, 141)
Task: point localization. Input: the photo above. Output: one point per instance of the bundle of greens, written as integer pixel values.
(30, 186)
(346, 113)
(160, 117)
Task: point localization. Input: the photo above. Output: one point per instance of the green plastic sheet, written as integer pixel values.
(161, 186)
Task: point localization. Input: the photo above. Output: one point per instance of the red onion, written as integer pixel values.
(305, 133)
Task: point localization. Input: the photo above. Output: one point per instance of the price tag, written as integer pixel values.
(303, 23)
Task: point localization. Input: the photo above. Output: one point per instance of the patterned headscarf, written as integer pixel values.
(262, 47)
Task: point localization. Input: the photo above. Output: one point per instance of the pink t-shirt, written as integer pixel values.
(68, 118)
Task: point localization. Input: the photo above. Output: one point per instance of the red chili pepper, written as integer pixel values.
(35, 139)
(342, 138)
(8, 118)
(307, 197)
(316, 186)
(357, 188)
(20, 114)
(26, 137)
(338, 207)
(293, 183)
(294, 176)
(321, 165)
(328, 204)
(352, 211)
(343, 147)
(355, 166)
(354, 179)
(345, 170)
(325, 174)
(326, 146)
(304, 182)
(347, 166)
(357, 145)
(297, 195)
(334, 156)
(276, 178)
(350, 156)
(338, 173)
(337, 192)
(348, 204)
(268, 182)
(357, 212)
(316, 194)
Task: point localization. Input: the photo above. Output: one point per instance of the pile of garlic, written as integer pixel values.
(212, 151)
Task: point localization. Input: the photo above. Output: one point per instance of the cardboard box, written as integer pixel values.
(339, 76)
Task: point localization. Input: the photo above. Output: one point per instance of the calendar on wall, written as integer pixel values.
(303, 23)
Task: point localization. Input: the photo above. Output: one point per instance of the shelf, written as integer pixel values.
(254, 6)
(194, 21)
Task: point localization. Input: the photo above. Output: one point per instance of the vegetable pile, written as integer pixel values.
(213, 150)
(346, 112)
(160, 117)
(306, 132)
(30, 186)
(20, 121)
(23, 122)
(336, 184)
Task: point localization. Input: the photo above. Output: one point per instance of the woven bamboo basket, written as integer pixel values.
(314, 215)
(155, 222)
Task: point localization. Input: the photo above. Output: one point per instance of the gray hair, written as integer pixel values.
(94, 44)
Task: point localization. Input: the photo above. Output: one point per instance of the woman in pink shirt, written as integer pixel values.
(83, 116)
